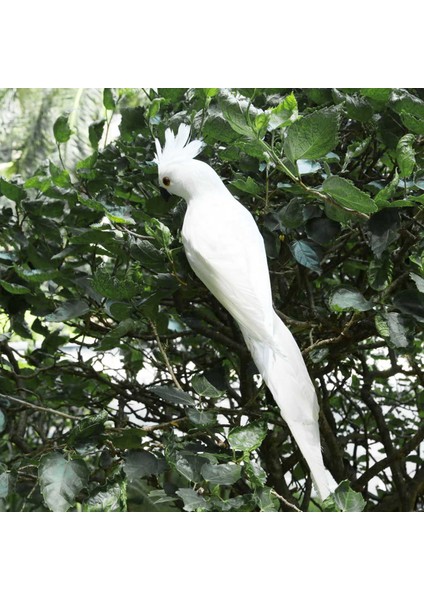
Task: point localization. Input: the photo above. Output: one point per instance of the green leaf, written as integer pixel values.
(307, 254)
(225, 474)
(377, 94)
(405, 155)
(291, 216)
(322, 230)
(140, 463)
(248, 437)
(347, 500)
(393, 326)
(62, 131)
(413, 123)
(87, 430)
(4, 482)
(313, 136)
(109, 101)
(108, 500)
(67, 311)
(348, 195)
(283, 114)
(172, 95)
(410, 302)
(95, 133)
(387, 192)
(238, 112)
(61, 480)
(345, 299)
(12, 191)
(193, 501)
(173, 395)
(204, 388)
(36, 275)
(201, 417)
(380, 273)
(248, 185)
(14, 288)
(382, 230)
(266, 500)
(113, 287)
(2, 421)
(419, 281)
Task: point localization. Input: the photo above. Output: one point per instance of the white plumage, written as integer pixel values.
(226, 251)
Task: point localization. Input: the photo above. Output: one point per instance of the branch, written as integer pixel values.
(38, 408)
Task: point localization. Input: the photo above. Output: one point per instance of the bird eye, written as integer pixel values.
(166, 181)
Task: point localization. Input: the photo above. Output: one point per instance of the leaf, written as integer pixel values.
(192, 500)
(87, 430)
(393, 326)
(95, 133)
(148, 255)
(348, 195)
(113, 287)
(387, 192)
(108, 500)
(377, 94)
(347, 500)
(405, 155)
(267, 502)
(419, 281)
(62, 131)
(346, 299)
(380, 273)
(61, 480)
(14, 288)
(410, 302)
(248, 185)
(204, 387)
(109, 101)
(67, 311)
(201, 417)
(382, 230)
(313, 136)
(2, 421)
(307, 254)
(36, 275)
(283, 114)
(248, 437)
(225, 474)
(237, 112)
(173, 395)
(291, 216)
(322, 230)
(140, 463)
(12, 191)
(413, 123)
(4, 482)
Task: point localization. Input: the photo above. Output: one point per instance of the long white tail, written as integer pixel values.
(282, 366)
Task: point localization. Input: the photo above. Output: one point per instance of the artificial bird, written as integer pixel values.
(225, 249)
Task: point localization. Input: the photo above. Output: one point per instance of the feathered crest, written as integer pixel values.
(177, 148)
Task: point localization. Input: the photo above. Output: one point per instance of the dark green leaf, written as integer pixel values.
(405, 155)
(313, 136)
(393, 326)
(108, 500)
(173, 395)
(67, 311)
(410, 302)
(62, 131)
(88, 429)
(14, 288)
(238, 112)
(248, 437)
(348, 195)
(192, 500)
(204, 388)
(12, 191)
(347, 500)
(307, 254)
(109, 101)
(291, 216)
(322, 230)
(95, 133)
(346, 299)
(140, 463)
(383, 230)
(61, 480)
(225, 474)
(380, 272)
(201, 417)
(248, 185)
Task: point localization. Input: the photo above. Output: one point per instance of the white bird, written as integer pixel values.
(226, 251)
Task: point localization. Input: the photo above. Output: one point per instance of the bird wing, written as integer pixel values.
(226, 251)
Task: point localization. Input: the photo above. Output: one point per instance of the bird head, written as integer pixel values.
(179, 173)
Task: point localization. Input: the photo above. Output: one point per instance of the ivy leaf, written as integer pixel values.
(225, 474)
(405, 155)
(312, 136)
(347, 500)
(307, 254)
(348, 195)
(61, 130)
(61, 480)
(346, 299)
(248, 437)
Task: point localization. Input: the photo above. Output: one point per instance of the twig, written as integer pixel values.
(165, 356)
(286, 502)
(174, 423)
(38, 408)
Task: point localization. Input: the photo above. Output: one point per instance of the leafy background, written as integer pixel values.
(124, 385)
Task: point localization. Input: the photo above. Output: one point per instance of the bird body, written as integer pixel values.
(226, 251)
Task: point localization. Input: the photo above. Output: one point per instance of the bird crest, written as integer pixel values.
(177, 148)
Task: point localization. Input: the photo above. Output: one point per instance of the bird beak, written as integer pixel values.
(164, 193)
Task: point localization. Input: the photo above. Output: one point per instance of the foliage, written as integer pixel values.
(126, 386)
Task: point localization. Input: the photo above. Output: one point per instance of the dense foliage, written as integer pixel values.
(124, 385)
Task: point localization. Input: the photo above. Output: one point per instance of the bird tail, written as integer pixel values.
(283, 369)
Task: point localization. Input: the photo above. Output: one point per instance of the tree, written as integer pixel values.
(126, 386)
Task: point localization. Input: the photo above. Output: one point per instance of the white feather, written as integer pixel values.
(226, 251)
